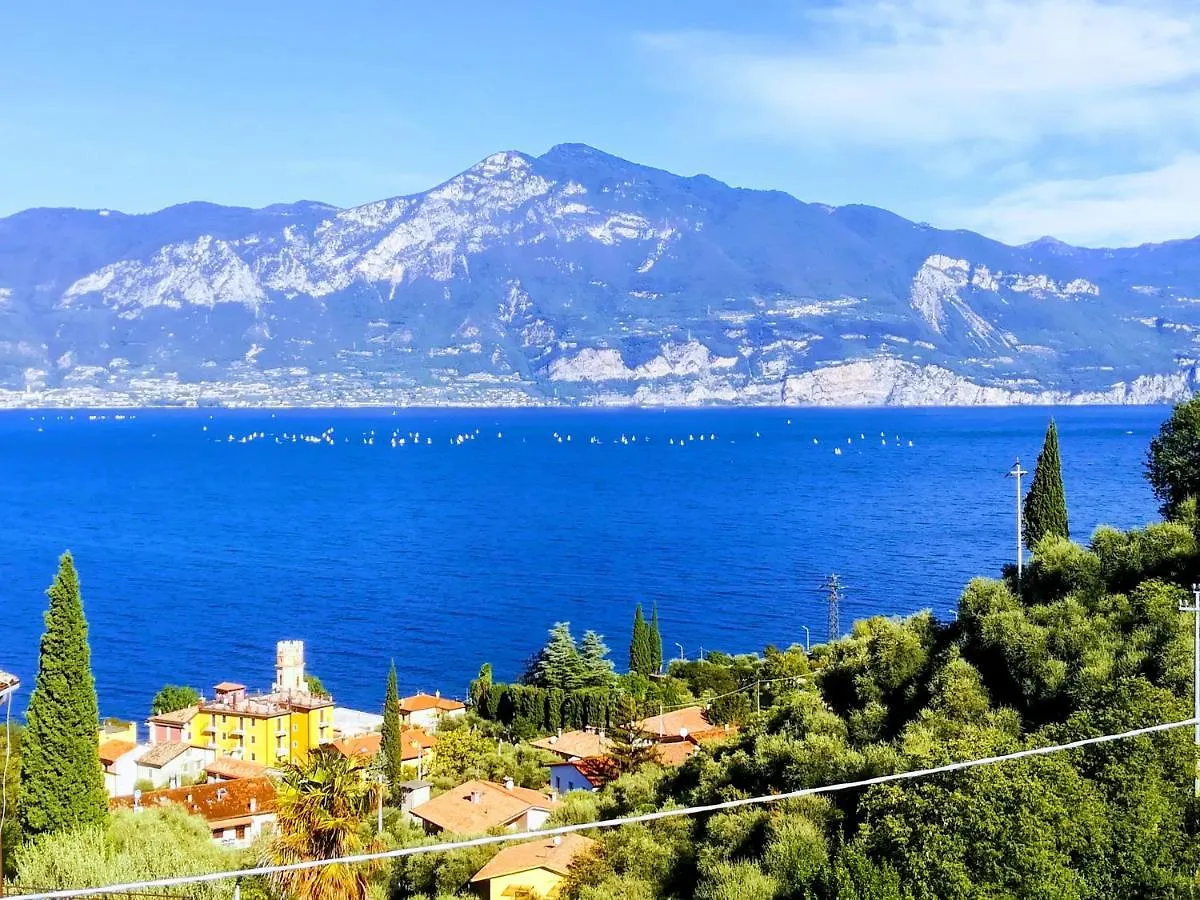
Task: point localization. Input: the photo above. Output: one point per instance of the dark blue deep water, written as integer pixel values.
(197, 554)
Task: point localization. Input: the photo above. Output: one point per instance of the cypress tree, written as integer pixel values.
(62, 783)
(390, 743)
(1045, 508)
(655, 641)
(641, 656)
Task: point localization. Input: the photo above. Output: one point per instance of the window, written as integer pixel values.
(294, 744)
(558, 782)
(241, 832)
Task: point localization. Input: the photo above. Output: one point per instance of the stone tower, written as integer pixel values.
(289, 668)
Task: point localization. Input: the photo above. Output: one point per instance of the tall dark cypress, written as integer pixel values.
(389, 741)
(656, 656)
(1045, 508)
(641, 658)
(62, 783)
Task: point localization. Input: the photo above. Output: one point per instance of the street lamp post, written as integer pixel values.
(807, 644)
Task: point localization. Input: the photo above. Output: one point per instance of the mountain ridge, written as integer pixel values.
(578, 277)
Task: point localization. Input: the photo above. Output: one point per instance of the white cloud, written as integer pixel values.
(1078, 117)
(921, 73)
(1116, 210)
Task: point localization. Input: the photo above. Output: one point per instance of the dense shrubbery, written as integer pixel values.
(1092, 642)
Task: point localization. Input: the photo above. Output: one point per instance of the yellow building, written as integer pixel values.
(282, 726)
(530, 871)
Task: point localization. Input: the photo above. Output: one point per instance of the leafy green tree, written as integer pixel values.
(1173, 460)
(1045, 508)
(316, 687)
(558, 664)
(462, 754)
(593, 654)
(171, 697)
(656, 651)
(152, 843)
(641, 651)
(62, 784)
(389, 741)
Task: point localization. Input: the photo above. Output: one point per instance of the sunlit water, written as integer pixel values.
(198, 553)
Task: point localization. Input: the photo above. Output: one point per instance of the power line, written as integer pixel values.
(607, 823)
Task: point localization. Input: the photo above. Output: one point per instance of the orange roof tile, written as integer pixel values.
(575, 743)
(598, 770)
(162, 753)
(229, 686)
(453, 811)
(367, 745)
(421, 702)
(229, 768)
(111, 751)
(552, 854)
(676, 724)
(217, 802)
(674, 753)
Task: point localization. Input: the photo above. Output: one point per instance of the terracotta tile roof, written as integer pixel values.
(453, 811)
(111, 751)
(161, 754)
(716, 733)
(598, 770)
(554, 857)
(575, 743)
(367, 745)
(669, 725)
(178, 717)
(218, 802)
(229, 768)
(421, 702)
(674, 753)
(229, 686)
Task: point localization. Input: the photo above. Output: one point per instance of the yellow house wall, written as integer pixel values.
(542, 881)
(302, 732)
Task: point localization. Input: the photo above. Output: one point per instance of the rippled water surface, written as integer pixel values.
(197, 553)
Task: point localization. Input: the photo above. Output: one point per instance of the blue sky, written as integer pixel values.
(1078, 118)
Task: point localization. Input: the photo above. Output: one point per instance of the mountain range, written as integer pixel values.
(577, 277)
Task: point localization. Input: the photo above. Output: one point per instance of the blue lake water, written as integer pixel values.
(197, 554)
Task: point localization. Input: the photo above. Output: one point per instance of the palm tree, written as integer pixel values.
(323, 808)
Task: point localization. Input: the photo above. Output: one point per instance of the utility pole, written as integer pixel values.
(834, 587)
(1195, 610)
(1016, 472)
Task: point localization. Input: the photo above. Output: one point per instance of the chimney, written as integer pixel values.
(508, 784)
(476, 797)
(558, 840)
(253, 804)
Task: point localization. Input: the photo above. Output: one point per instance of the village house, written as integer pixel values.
(227, 768)
(589, 773)
(172, 764)
(575, 744)
(676, 725)
(173, 726)
(237, 812)
(427, 710)
(119, 758)
(282, 726)
(479, 806)
(534, 869)
(416, 747)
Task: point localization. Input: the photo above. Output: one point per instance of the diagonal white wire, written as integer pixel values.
(607, 823)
